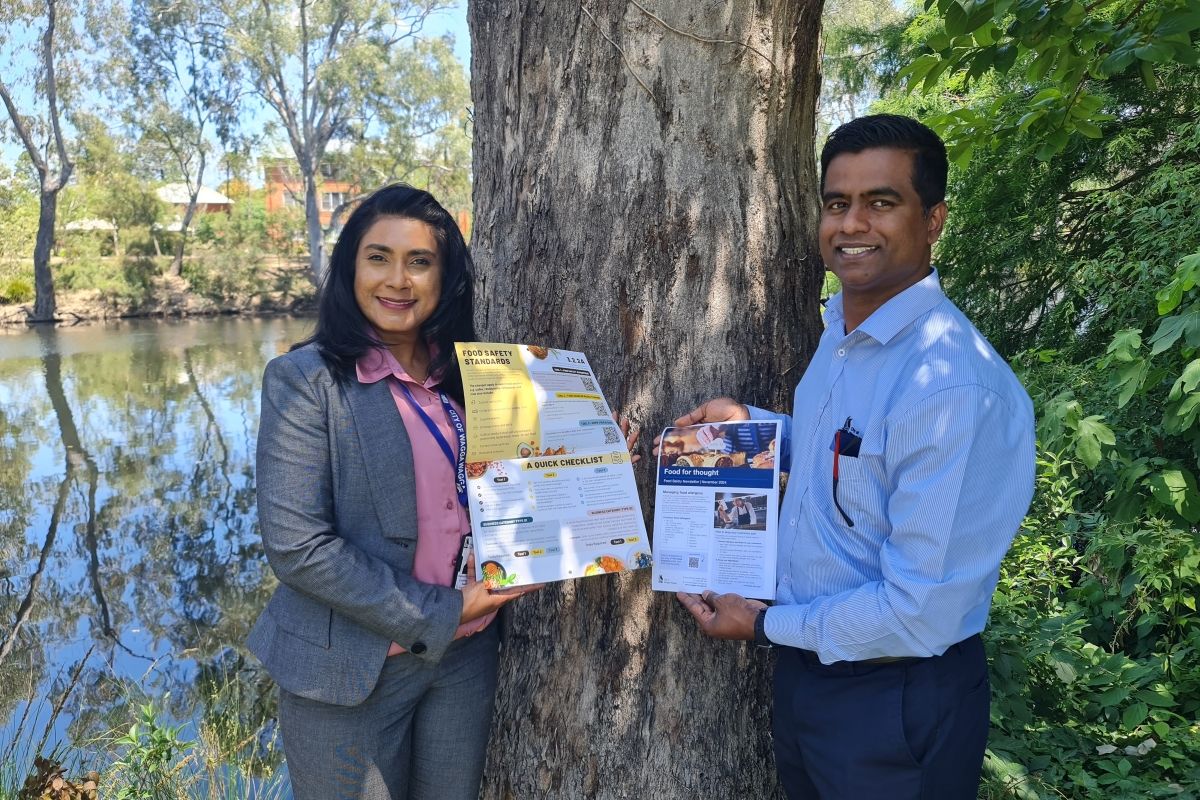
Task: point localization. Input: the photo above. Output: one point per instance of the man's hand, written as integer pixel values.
(719, 409)
(722, 616)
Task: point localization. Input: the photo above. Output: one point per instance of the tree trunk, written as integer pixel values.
(312, 221)
(647, 198)
(44, 304)
(176, 268)
(188, 214)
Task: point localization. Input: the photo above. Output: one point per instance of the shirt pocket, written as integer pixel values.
(859, 497)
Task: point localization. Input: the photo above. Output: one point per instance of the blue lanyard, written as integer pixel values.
(460, 462)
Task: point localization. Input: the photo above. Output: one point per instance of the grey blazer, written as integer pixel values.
(338, 515)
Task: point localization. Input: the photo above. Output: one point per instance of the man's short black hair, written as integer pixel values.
(900, 133)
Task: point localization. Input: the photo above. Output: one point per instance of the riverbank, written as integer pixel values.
(205, 290)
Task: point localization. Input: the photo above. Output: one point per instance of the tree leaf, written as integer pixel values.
(1171, 328)
(1042, 65)
(1089, 129)
(1090, 433)
(1176, 489)
(1178, 20)
(1116, 62)
(1125, 343)
(956, 19)
(1133, 716)
(1186, 382)
(1159, 698)
(1147, 70)
(1180, 416)
(1066, 672)
(1157, 52)
(1130, 379)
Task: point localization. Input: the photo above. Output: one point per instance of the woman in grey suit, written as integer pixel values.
(386, 669)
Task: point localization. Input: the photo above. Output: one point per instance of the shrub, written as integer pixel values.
(16, 289)
(225, 276)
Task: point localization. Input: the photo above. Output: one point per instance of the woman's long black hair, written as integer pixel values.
(343, 333)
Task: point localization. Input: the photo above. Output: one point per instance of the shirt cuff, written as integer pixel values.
(784, 448)
(785, 625)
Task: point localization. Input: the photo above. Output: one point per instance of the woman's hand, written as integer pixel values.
(479, 601)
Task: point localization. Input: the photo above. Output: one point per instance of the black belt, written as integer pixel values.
(812, 659)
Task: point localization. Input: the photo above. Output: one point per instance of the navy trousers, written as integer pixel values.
(905, 730)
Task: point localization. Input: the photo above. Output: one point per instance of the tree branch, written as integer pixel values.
(1136, 175)
(624, 57)
(704, 40)
(23, 131)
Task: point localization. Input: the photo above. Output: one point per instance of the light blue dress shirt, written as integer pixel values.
(940, 485)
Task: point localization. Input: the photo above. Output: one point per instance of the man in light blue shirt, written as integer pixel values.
(912, 464)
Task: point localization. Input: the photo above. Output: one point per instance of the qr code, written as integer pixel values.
(693, 562)
(611, 435)
(589, 384)
(599, 408)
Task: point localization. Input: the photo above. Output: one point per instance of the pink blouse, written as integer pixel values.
(441, 520)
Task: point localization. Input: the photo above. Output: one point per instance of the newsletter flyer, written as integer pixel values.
(716, 510)
(550, 484)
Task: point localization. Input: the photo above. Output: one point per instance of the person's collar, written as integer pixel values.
(378, 363)
(897, 313)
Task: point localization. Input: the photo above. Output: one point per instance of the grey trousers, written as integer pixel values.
(420, 735)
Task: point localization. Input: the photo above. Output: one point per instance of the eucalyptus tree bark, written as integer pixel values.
(645, 192)
(52, 174)
(312, 223)
(188, 214)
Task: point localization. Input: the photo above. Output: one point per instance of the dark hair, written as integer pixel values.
(343, 333)
(899, 133)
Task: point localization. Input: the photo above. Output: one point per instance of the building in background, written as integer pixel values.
(285, 187)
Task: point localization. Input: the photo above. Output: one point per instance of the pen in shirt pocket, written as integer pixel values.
(845, 443)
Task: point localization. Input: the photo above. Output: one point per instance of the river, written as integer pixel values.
(130, 561)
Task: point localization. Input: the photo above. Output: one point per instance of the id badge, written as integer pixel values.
(460, 569)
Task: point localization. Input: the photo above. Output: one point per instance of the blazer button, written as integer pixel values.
(417, 648)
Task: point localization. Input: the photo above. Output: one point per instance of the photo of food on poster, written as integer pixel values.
(550, 485)
(716, 511)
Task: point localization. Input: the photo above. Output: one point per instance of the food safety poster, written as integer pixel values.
(716, 509)
(551, 487)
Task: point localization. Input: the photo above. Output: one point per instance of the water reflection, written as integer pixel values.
(129, 554)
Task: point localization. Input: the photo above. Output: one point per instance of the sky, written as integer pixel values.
(451, 21)
(454, 22)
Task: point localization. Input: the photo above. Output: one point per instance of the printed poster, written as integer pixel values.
(551, 489)
(716, 511)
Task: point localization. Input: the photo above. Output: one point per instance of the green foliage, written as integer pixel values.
(428, 130)
(1071, 50)
(1073, 244)
(1094, 639)
(18, 216)
(118, 281)
(16, 289)
(225, 276)
(245, 226)
(150, 756)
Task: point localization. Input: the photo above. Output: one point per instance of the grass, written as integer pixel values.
(226, 751)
